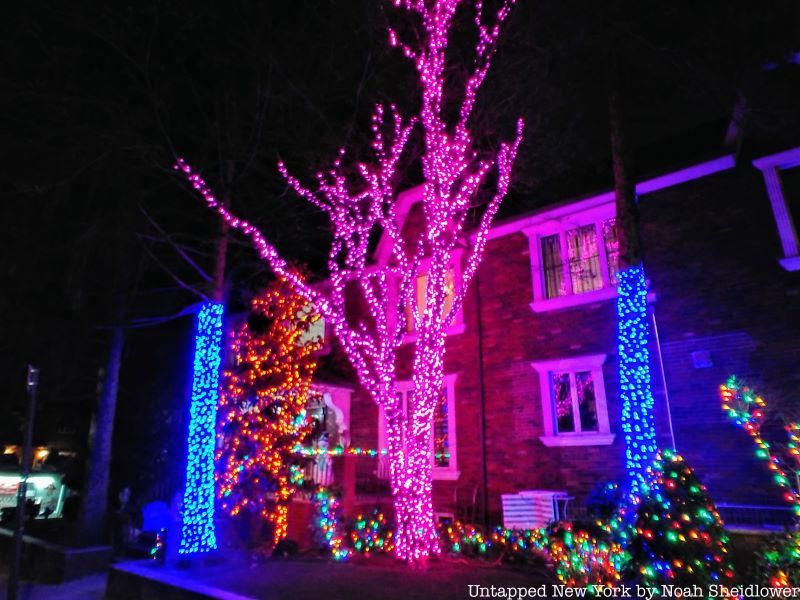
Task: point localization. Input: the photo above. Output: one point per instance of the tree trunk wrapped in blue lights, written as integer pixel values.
(197, 528)
(633, 335)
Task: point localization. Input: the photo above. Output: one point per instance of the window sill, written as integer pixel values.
(455, 329)
(791, 263)
(442, 474)
(540, 306)
(573, 300)
(578, 439)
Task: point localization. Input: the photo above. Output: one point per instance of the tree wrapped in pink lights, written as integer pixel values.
(454, 173)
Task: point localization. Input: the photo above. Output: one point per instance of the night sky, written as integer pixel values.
(98, 100)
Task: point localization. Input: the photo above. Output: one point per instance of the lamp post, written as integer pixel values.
(32, 382)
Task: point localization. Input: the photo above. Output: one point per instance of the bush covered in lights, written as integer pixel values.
(679, 536)
(779, 561)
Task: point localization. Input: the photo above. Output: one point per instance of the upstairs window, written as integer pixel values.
(574, 256)
(315, 331)
(421, 298)
(589, 265)
(574, 401)
(419, 302)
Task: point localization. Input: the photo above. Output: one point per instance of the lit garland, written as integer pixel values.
(454, 173)
(197, 527)
(680, 537)
(746, 408)
(579, 559)
(633, 337)
(349, 451)
(328, 516)
(263, 407)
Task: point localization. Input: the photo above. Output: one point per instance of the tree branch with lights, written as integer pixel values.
(454, 174)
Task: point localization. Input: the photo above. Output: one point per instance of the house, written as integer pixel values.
(531, 398)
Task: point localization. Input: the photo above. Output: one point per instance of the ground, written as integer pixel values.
(374, 577)
(88, 588)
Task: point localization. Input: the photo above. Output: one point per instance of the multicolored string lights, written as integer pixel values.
(197, 526)
(263, 407)
(328, 519)
(680, 538)
(746, 408)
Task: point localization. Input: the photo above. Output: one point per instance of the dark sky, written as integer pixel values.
(97, 99)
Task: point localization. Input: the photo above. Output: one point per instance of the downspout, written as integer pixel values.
(484, 471)
(664, 380)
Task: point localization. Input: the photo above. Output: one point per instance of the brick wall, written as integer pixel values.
(711, 251)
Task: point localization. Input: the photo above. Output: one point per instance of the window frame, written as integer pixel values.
(592, 363)
(450, 472)
(458, 326)
(771, 167)
(594, 216)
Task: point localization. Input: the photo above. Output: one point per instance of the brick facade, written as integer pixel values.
(711, 251)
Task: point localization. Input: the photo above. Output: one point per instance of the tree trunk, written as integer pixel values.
(633, 324)
(95, 502)
(218, 291)
(412, 477)
(624, 187)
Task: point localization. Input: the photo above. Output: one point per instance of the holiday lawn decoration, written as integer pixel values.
(780, 561)
(262, 407)
(680, 538)
(362, 200)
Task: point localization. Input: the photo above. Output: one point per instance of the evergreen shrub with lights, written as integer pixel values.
(262, 408)
(679, 536)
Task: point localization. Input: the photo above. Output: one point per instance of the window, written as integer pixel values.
(574, 257)
(452, 283)
(421, 297)
(573, 401)
(315, 331)
(780, 173)
(443, 438)
(584, 268)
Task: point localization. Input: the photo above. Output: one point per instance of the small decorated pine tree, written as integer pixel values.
(262, 409)
(679, 536)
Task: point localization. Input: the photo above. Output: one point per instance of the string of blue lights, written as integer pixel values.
(633, 335)
(197, 528)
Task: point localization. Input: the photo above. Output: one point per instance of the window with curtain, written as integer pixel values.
(575, 261)
(441, 432)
